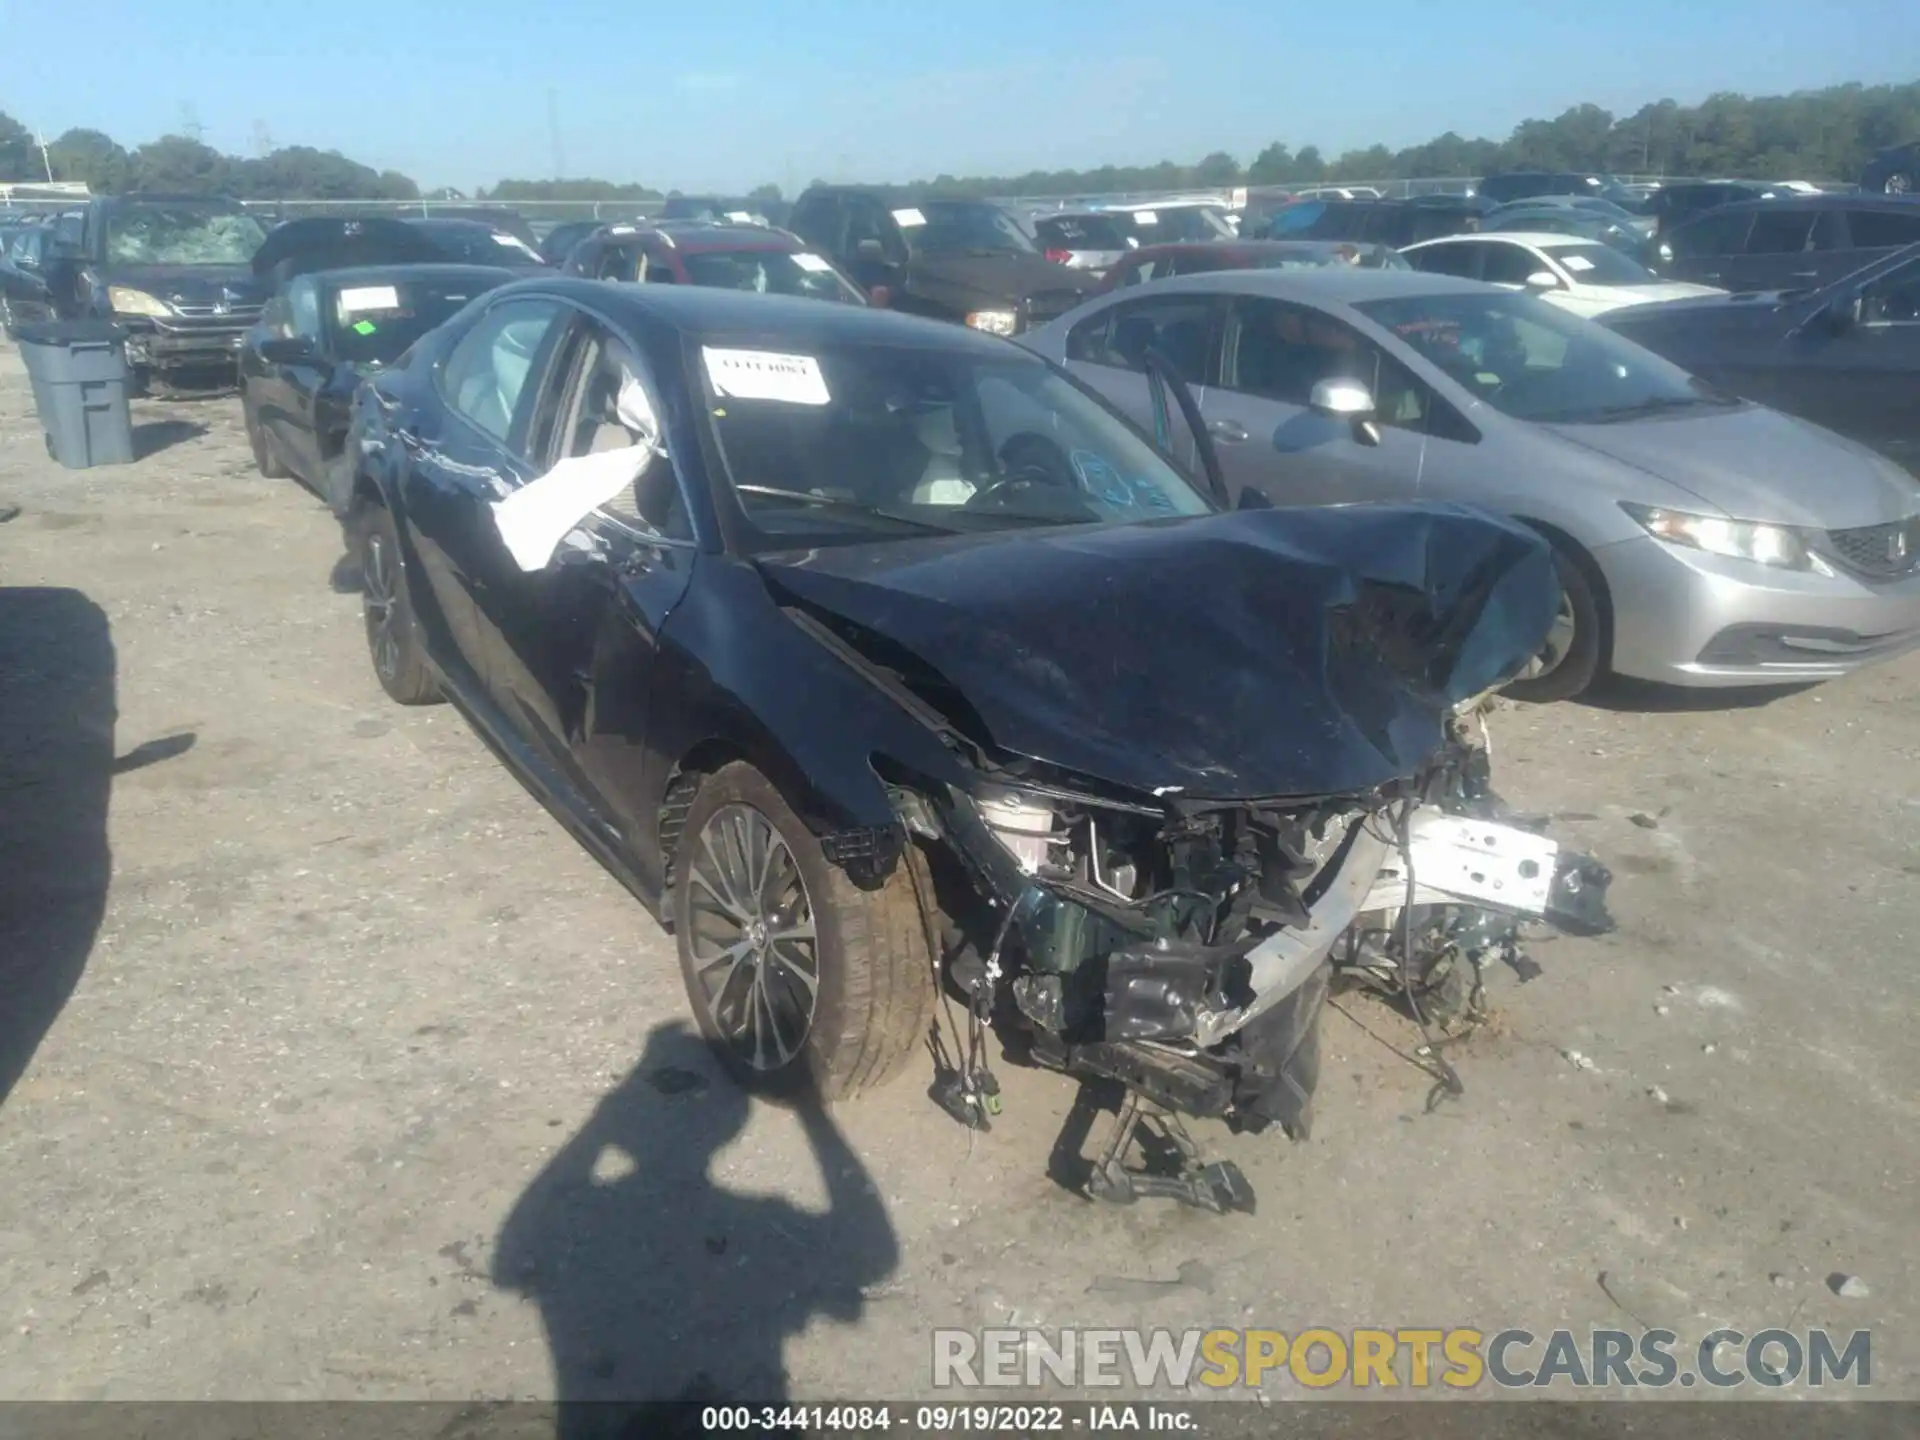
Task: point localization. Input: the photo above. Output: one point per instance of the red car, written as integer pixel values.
(1157, 262)
(725, 257)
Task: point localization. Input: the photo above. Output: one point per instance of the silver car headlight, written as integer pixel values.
(1777, 545)
(994, 322)
(124, 300)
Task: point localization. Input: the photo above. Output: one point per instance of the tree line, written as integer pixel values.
(1809, 135)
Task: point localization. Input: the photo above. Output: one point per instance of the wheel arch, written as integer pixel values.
(1565, 544)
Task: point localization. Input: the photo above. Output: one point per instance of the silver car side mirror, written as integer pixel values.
(1543, 280)
(1348, 400)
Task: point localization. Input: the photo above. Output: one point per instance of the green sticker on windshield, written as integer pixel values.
(364, 327)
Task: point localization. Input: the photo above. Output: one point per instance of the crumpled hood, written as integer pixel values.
(1758, 464)
(188, 284)
(1261, 653)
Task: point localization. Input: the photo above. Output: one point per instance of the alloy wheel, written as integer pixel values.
(755, 949)
(1899, 183)
(1559, 642)
(379, 603)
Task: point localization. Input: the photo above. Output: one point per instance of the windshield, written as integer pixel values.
(769, 272)
(1533, 361)
(962, 225)
(1597, 264)
(375, 323)
(868, 442)
(466, 243)
(1081, 232)
(181, 235)
(1185, 222)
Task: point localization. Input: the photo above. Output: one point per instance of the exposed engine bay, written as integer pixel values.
(1185, 950)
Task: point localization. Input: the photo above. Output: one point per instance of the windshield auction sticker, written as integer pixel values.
(764, 375)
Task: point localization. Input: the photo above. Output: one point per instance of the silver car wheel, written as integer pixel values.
(755, 950)
(1558, 644)
(1898, 183)
(378, 604)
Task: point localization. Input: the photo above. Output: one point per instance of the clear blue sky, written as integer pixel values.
(699, 95)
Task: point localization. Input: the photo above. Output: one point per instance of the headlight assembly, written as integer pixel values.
(1777, 545)
(994, 322)
(136, 302)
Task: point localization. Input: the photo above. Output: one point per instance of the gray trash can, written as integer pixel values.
(79, 373)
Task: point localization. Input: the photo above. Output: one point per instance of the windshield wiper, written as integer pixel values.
(851, 507)
(1652, 405)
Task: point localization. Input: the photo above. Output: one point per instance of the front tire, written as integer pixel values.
(264, 460)
(393, 639)
(803, 982)
(1570, 658)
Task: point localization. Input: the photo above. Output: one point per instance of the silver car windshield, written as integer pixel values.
(1533, 361)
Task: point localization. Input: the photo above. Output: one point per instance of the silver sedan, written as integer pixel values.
(1703, 540)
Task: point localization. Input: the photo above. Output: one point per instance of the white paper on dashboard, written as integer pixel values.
(766, 375)
(812, 263)
(540, 514)
(359, 299)
(1145, 217)
(1576, 263)
(907, 219)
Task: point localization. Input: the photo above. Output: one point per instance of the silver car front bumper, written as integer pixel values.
(1684, 617)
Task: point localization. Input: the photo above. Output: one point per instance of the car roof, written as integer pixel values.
(446, 274)
(1890, 203)
(447, 222)
(699, 311)
(1539, 239)
(1341, 285)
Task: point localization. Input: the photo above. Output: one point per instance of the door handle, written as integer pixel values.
(1231, 431)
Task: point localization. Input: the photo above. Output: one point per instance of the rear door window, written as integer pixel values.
(1711, 235)
(1180, 326)
(1883, 229)
(1781, 232)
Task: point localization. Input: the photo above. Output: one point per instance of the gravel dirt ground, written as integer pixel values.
(333, 1068)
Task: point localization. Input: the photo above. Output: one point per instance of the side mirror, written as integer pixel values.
(1842, 314)
(1543, 280)
(1347, 400)
(1342, 399)
(1252, 499)
(287, 350)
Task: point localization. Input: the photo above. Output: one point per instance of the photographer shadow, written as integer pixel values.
(661, 1290)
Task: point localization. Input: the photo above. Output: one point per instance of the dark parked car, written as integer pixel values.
(723, 210)
(1678, 201)
(965, 260)
(729, 257)
(318, 338)
(333, 242)
(1894, 171)
(174, 270)
(477, 242)
(1792, 243)
(24, 296)
(557, 244)
(1396, 223)
(1157, 262)
(1526, 184)
(882, 625)
(1846, 356)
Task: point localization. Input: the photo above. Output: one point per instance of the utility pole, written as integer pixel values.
(553, 132)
